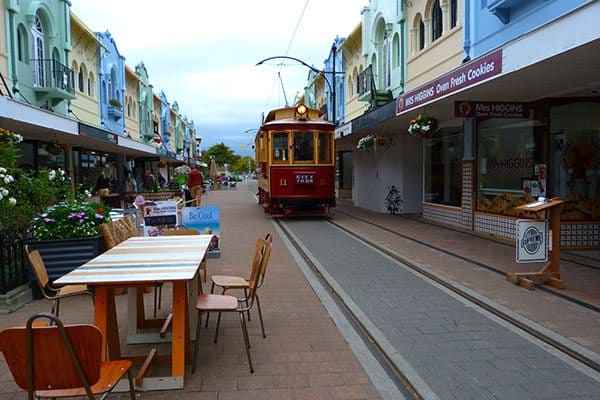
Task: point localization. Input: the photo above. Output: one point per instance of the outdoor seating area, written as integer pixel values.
(134, 262)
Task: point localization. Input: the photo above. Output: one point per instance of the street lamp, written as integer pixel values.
(332, 72)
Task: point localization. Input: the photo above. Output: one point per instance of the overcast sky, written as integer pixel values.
(202, 54)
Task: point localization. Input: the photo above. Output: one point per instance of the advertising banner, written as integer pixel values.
(158, 215)
(206, 220)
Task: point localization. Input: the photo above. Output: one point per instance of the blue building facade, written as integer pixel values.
(488, 24)
(111, 81)
(334, 77)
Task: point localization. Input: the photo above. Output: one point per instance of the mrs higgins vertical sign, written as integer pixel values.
(461, 78)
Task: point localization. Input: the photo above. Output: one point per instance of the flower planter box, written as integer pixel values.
(64, 255)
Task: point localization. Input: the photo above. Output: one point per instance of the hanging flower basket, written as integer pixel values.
(423, 126)
(56, 148)
(371, 142)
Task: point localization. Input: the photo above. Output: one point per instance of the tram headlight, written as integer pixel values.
(302, 112)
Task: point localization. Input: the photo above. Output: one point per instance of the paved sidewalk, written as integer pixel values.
(416, 240)
(304, 355)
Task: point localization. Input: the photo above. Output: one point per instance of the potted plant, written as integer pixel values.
(370, 142)
(115, 103)
(423, 126)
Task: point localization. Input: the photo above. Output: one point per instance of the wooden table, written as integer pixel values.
(138, 262)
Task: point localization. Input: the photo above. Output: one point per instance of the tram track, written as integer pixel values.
(402, 382)
(578, 354)
(467, 259)
(575, 352)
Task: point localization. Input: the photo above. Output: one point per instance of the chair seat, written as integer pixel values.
(110, 372)
(216, 302)
(72, 289)
(230, 282)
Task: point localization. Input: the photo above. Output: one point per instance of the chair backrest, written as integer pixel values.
(265, 260)
(261, 256)
(39, 269)
(173, 232)
(122, 229)
(128, 221)
(52, 357)
(107, 234)
(117, 231)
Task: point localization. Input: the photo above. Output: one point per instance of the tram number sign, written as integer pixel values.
(305, 179)
(532, 240)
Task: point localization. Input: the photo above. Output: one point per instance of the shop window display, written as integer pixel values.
(511, 164)
(442, 168)
(575, 159)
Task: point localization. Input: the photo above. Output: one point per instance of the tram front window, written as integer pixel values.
(324, 147)
(280, 146)
(303, 146)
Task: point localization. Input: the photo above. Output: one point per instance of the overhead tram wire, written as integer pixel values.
(286, 52)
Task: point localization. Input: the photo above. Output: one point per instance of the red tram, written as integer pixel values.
(295, 163)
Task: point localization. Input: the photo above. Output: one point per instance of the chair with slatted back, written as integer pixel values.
(228, 282)
(107, 234)
(130, 225)
(54, 361)
(221, 303)
(50, 292)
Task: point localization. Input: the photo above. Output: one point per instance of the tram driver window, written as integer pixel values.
(303, 146)
(280, 146)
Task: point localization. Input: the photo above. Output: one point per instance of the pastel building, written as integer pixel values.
(112, 85)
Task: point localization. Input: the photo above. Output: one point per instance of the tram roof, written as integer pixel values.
(287, 115)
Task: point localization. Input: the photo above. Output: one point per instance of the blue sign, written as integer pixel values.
(206, 220)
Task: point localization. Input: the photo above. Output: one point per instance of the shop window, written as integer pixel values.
(324, 147)
(280, 147)
(511, 164)
(575, 159)
(442, 168)
(304, 147)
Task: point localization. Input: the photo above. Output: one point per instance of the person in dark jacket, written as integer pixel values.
(102, 185)
(148, 181)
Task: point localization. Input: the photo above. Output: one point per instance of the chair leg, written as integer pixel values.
(262, 326)
(197, 344)
(160, 295)
(212, 290)
(131, 385)
(217, 328)
(155, 300)
(246, 340)
(247, 306)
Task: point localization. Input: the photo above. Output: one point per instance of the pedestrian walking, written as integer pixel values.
(148, 181)
(195, 183)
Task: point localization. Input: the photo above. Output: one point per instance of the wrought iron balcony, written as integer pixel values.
(52, 80)
(115, 113)
(367, 89)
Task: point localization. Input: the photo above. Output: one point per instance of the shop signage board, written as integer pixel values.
(158, 215)
(532, 240)
(461, 78)
(490, 109)
(206, 220)
(95, 133)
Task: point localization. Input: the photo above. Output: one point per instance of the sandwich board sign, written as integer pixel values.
(532, 240)
(206, 220)
(159, 215)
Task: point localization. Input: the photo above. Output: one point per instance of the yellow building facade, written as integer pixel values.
(84, 62)
(434, 39)
(132, 84)
(353, 66)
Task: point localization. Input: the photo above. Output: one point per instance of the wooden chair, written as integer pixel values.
(49, 291)
(223, 303)
(227, 282)
(61, 361)
(107, 234)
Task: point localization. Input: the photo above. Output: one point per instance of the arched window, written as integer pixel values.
(421, 35)
(22, 44)
(80, 79)
(90, 85)
(453, 13)
(37, 33)
(436, 21)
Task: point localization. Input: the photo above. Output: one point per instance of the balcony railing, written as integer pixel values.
(367, 90)
(51, 74)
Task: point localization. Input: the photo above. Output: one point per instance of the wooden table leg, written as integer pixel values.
(105, 318)
(179, 328)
